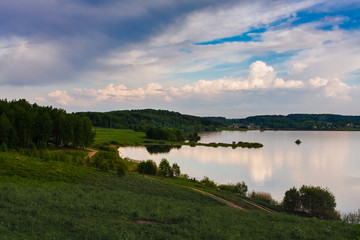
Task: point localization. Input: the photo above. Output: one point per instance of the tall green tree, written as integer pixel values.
(292, 201)
(7, 132)
(165, 169)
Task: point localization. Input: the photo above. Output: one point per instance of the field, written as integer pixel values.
(121, 136)
(45, 199)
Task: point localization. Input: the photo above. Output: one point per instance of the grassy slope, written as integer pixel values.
(122, 136)
(56, 200)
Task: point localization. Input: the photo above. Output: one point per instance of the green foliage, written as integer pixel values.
(261, 196)
(147, 167)
(353, 218)
(292, 201)
(301, 122)
(208, 183)
(312, 201)
(165, 169)
(3, 147)
(176, 170)
(107, 160)
(318, 202)
(23, 125)
(167, 134)
(240, 188)
(141, 120)
(239, 144)
(193, 137)
(121, 170)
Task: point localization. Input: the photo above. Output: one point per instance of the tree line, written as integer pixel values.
(299, 122)
(25, 125)
(142, 120)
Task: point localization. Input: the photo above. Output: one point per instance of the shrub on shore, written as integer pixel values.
(240, 188)
(312, 202)
(208, 183)
(147, 167)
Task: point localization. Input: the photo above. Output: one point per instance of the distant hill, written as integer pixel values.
(300, 122)
(140, 120)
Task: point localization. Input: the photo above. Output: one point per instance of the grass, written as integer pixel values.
(126, 137)
(46, 199)
(118, 136)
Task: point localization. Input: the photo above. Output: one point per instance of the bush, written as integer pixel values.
(261, 196)
(291, 201)
(165, 169)
(353, 218)
(208, 183)
(194, 137)
(121, 171)
(3, 147)
(176, 170)
(147, 167)
(312, 201)
(241, 188)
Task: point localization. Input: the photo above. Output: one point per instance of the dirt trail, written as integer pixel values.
(259, 206)
(91, 153)
(230, 204)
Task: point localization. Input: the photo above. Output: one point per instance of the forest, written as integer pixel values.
(25, 125)
(142, 120)
(297, 122)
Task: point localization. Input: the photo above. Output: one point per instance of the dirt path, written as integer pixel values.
(230, 204)
(260, 207)
(91, 153)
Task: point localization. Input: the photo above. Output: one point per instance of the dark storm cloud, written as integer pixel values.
(121, 21)
(50, 41)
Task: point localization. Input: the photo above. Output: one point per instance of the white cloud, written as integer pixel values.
(318, 82)
(132, 57)
(215, 23)
(332, 88)
(120, 92)
(280, 83)
(299, 66)
(261, 76)
(62, 97)
(337, 89)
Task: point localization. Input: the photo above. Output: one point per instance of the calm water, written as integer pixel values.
(327, 159)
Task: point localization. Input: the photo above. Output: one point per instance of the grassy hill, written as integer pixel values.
(41, 198)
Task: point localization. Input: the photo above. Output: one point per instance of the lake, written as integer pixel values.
(324, 158)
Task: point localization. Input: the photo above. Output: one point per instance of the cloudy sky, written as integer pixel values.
(206, 57)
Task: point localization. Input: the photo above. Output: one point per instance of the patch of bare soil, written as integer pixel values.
(144, 222)
(91, 153)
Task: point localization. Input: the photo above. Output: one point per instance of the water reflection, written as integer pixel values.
(328, 159)
(156, 149)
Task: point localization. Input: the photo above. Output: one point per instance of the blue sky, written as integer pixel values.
(206, 58)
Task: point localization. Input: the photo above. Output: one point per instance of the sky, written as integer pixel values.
(206, 57)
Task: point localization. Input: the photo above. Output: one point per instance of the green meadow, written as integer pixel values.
(120, 136)
(47, 199)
